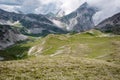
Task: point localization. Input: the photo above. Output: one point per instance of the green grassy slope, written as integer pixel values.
(90, 55)
(91, 44)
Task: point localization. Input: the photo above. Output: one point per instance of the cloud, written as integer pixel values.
(9, 8)
(48, 6)
(107, 7)
(11, 2)
(29, 6)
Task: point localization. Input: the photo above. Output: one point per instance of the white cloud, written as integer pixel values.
(9, 8)
(29, 6)
(107, 7)
(11, 2)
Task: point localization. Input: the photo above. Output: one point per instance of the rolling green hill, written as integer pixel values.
(90, 44)
(90, 55)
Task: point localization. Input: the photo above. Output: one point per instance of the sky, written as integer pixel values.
(106, 8)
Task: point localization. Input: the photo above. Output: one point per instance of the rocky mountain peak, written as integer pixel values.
(9, 36)
(84, 5)
(81, 19)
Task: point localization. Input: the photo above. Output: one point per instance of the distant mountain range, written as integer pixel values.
(33, 24)
(79, 20)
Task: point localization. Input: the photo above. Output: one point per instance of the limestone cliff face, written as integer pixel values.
(9, 36)
(80, 20)
(111, 24)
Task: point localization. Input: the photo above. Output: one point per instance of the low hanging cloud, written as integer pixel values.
(107, 8)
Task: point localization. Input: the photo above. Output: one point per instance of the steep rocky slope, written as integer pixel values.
(9, 36)
(79, 20)
(111, 24)
(33, 24)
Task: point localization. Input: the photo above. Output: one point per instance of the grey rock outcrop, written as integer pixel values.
(111, 24)
(80, 20)
(9, 36)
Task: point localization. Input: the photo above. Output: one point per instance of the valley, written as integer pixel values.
(55, 46)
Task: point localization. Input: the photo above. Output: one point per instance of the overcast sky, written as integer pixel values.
(107, 7)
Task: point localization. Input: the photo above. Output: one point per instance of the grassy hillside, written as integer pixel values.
(91, 55)
(59, 68)
(91, 44)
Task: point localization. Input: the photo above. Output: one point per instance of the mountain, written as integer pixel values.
(50, 15)
(89, 55)
(40, 25)
(9, 36)
(33, 24)
(79, 20)
(111, 24)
